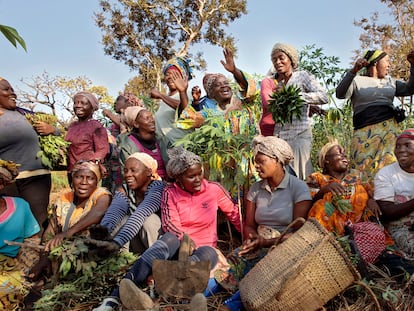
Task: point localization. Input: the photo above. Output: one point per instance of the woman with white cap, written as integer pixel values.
(298, 133)
(133, 216)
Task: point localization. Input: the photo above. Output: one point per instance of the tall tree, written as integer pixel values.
(145, 33)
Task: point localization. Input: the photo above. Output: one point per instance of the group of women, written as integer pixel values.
(164, 194)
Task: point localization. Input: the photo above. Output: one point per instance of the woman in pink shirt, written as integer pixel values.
(189, 205)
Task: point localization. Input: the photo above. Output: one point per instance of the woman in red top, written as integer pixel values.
(88, 137)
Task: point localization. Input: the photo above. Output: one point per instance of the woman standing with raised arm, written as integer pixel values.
(374, 118)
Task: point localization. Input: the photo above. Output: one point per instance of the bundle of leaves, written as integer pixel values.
(53, 149)
(286, 104)
(340, 203)
(82, 281)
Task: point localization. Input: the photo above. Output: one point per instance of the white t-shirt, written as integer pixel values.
(393, 184)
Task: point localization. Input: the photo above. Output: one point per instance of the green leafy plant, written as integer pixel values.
(286, 104)
(224, 144)
(53, 149)
(339, 203)
(81, 280)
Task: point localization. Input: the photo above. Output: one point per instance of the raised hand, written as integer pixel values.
(359, 64)
(228, 62)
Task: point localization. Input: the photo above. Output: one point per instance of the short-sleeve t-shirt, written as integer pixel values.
(275, 208)
(16, 224)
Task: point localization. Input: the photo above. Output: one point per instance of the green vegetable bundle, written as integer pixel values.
(53, 149)
(286, 104)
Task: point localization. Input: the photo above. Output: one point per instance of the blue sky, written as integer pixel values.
(62, 38)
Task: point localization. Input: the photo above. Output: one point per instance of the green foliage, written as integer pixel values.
(225, 152)
(286, 104)
(325, 68)
(53, 149)
(13, 36)
(82, 280)
(59, 181)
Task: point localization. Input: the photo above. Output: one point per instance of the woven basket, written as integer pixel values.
(302, 273)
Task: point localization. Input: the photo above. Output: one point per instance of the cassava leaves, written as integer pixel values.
(286, 104)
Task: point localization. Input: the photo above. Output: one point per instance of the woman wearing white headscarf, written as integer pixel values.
(297, 133)
(133, 214)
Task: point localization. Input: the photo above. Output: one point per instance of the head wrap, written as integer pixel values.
(8, 171)
(90, 97)
(182, 64)
(273, 147)
(209, 80)
(180, 161)
(407, 133)
(131, 114)
(132, 99)
(148, 161)
(324, 150)
(87, 165)
(372, 56)
(289, 50)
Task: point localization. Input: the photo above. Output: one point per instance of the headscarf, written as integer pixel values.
(132, 99)
(324, 150)
(8, 171)
(407, 133)
(182, 64)
(87, 165)
(131, 113)
(372, 56)
(209, 80)
(180, 161)
(273, 147)
(148, 162)
(289, 50)
(90, 97)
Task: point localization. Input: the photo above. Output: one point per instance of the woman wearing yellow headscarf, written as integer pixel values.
(374, 115)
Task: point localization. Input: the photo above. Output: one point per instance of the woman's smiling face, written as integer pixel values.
(7, 96)
(136, 174)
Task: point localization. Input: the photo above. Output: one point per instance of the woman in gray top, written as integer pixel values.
(374, 117)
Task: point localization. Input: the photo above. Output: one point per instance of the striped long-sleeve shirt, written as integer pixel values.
(120, 207)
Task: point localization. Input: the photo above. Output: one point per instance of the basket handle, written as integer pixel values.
(282, 235)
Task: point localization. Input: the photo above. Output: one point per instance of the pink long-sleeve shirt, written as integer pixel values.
(196, 214)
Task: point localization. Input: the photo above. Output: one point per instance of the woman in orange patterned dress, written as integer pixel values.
(339, 195)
